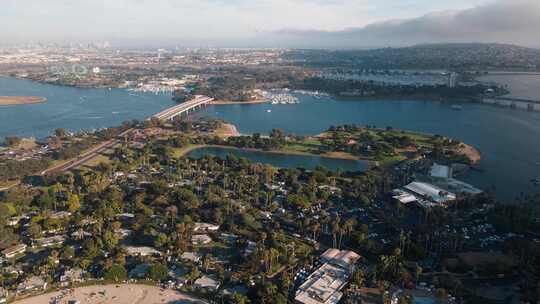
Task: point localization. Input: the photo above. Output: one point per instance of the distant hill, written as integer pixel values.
(456, 56)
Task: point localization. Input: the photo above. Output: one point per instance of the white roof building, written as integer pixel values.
(206, 282)
(430, 192)
(142, 251)
(72, 276)
(200, 239)
(191, 256)
(32, 284)
(325, 284)
(60, 215)
(205, 227)
(13, 251)
(49, 241)
(403, 196)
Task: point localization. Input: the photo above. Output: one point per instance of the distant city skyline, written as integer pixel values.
(270, 23)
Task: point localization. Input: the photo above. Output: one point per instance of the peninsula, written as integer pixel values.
(20, 100)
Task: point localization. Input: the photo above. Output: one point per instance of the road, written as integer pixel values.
(87, 156)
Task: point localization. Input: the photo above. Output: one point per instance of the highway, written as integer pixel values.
(167, 114)
(87, 156)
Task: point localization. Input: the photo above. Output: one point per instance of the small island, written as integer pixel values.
(20, 100)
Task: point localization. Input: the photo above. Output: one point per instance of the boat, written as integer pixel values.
(457, 107)
(268, 111)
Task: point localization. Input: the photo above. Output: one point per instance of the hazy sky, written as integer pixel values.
(220, 22)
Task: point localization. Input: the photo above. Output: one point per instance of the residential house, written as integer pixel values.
(200, 239)
(13, 251)
(32, 284)
(49, 241)
(142, 251)
(207, 282)
(71, 276)
(191, 257)
(205, 227)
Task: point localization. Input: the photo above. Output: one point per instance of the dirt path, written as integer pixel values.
(115, 294)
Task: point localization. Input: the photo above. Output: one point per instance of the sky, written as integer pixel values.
(279, 23)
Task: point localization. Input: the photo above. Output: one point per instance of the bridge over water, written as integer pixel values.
(518, 103)
(185, 107)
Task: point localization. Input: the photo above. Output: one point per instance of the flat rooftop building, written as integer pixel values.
(13, 251)
(430, 192)
(325, 284)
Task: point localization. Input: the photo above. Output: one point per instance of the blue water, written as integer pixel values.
(72, 108)
(282, 160)
(508, 139)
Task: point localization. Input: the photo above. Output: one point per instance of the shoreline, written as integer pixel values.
(471, 152)
(21, 100)
(229, 102)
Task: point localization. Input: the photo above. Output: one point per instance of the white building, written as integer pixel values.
(431, 193)
(325, 284)
(70, 276)
(34, 283)
(205, 227)
(201, 239)
(191, 256)
(142, 251)
(49, 241)
(60, 215)
(206, 282)
(3, 295)
(13, 251)
(403, 197)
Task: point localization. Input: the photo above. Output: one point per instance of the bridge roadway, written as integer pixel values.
(167, 114)
(513, 99)
(185, 107)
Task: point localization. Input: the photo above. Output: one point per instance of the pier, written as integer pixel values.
(191, 105)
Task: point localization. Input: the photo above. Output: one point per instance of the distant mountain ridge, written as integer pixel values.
(459, 56)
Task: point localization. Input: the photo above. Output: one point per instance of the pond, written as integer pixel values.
(280, 160)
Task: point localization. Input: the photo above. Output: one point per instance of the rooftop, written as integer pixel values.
(142, 251)
(325, 284)
(207, 282)
(431, 192)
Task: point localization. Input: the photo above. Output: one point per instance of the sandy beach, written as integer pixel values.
(227, 130)
(20, 100)
(230, 130)
(471, 152)
(117, 294)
